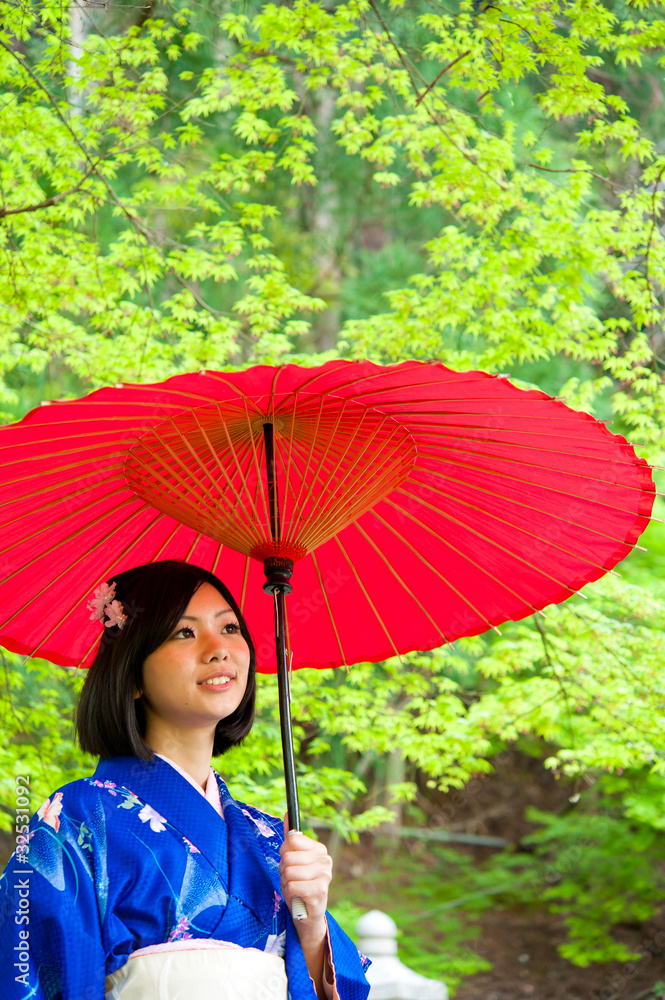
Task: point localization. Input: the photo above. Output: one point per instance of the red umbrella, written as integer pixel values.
(418, 505)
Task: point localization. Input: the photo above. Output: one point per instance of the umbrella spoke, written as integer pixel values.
(343, 513)
(529, 508)
(367, 597)
(330, 614)
(5, 524)
(462, 555)
(300, 504)
(215, 562)
(490, 541)
(50, 582)
(244, 584)
(399, 579)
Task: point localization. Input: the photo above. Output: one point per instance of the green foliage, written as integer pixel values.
(36, 706)
(145, 170)
(595, 865)
(435, 896)
(599, 870)
(241, 183)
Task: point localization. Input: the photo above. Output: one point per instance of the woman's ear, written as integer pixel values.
(137, 693)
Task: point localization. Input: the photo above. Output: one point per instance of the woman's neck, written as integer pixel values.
(191, 751)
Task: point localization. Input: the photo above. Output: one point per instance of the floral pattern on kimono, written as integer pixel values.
(135, 856)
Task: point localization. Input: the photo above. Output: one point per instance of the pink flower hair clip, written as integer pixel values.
(103, 605)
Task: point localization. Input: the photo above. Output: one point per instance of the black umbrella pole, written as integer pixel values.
(278, 572)
(285, 715)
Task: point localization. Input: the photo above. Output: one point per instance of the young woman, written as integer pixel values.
(147, 879)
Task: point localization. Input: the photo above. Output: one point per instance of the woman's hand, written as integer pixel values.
(306, 870)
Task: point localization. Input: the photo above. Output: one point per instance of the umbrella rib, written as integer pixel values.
(100, 579)
(197, 538)
(435, 425)
(167, 541)
(399, 580)
(69, 567)
(106, 435)
(520, 503)
(484, 538)
(244, 396)
(218, 556)
(534, 465)
(47, 527)
(339, 517)
(578, 451)
(388, 370)
(55, 503)
(439, 574)
(330, 614)
(244, 584)
(368, 598)
(523, 483)
(223, 471)
(29, 476)
(468, 559)
(516, 527)
(87, 653)
(182, 394)
(491, 397)
(273, 387)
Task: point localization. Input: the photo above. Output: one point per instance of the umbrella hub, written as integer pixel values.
(278, 573)
(333, 460)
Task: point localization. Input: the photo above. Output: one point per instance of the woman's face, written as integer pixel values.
(199, 675)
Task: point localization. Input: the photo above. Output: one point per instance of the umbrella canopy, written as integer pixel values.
(418, 504)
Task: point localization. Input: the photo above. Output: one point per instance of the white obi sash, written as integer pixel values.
(199, 969)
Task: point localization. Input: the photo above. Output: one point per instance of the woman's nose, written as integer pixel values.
(215, 649)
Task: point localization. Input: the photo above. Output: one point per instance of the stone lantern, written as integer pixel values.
(389, 978)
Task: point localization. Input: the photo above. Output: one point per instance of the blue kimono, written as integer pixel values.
(135, 856)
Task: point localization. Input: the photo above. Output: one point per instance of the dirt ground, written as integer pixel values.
(527, 966)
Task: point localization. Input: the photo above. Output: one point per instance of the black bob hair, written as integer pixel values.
(110, 722)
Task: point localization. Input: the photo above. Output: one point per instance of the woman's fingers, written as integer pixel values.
(305, 870)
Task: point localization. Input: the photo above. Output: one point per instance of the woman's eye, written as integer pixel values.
(181, 632)
(232, 628)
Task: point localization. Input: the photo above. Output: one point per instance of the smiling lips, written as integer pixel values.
(218, 680)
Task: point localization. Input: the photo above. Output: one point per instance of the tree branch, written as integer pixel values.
(436, 79)
(467, 156)
(49, 201)
(572, 170)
